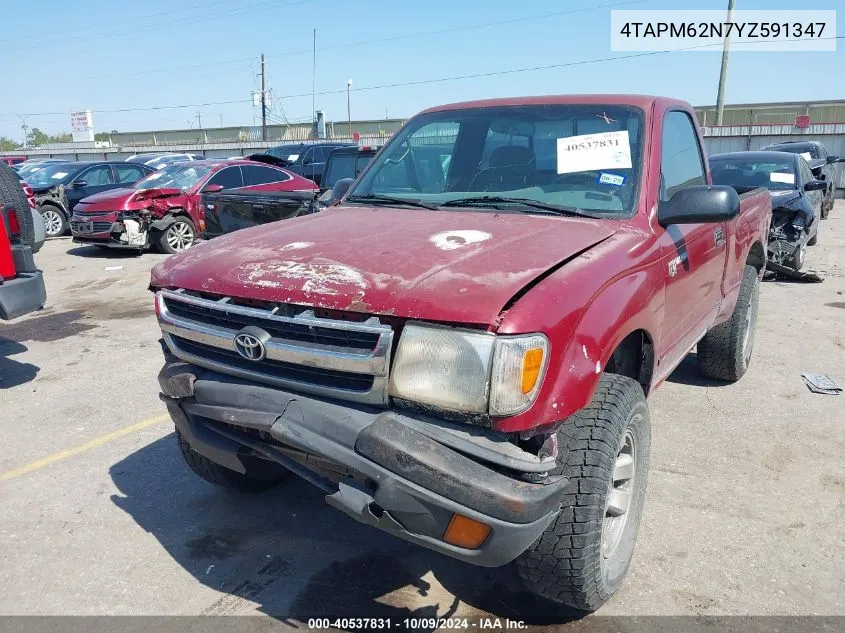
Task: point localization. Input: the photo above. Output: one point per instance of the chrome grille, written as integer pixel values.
(321, 356)
(95, 227)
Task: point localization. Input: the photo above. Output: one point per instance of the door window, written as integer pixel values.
(681, 165)
(256, 175)
(97, 176)
(230, 178)
(806, 172)
(128, 173)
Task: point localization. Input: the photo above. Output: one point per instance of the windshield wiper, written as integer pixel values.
(377, 197)
(528, 202)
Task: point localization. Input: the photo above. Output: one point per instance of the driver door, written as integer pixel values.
(93, 180)
(694, 254)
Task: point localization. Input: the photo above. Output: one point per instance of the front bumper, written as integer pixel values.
(104, 230)
(403, 472)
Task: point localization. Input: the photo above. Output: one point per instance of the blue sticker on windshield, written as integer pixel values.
(611, 179)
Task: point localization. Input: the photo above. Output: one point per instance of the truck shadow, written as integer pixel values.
(296, 558)
(686, 373)
(13, 372)
(96, 252)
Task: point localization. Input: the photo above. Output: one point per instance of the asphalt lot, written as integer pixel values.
(100, 516)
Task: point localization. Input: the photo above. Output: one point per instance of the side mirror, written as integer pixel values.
(341, 187)
(213, 188)
(833, 159)
(78, 184)
(699, 204)
(815, 185)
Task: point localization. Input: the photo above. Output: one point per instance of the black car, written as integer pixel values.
(59, 187)
(821, 163)
(797, 198)
(306, 159)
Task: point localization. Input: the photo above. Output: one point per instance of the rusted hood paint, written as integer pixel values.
(453, 266)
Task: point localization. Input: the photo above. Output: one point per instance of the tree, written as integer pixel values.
(37, 137)
(104, 136)
(7, 144)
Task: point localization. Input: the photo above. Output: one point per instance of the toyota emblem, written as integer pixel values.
(250, 347)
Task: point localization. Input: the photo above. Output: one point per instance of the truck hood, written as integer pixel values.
(455, 266)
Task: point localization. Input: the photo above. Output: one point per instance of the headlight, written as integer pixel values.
(443, 367)
(452, 369)
(519, 364)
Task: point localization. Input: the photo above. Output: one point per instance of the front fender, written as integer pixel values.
(162, 223)
(583, 342)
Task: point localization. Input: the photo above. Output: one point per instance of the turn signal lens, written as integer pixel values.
(518, 366)
(532, 364)
(465, 532)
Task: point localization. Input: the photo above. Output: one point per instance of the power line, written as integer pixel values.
(394, 38)
(536, 68)
(458, 29)
(96, 32)
(420, 82)
(187, 21)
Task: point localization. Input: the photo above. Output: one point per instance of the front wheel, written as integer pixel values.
(582, 557)
(55, 223)
(827, 204)
(177, 237)
(260, 475)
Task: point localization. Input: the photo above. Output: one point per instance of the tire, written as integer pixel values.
(12, 193)
(177, 237)
(815, 239)
(55, 222)
(725, 351)
(827, 205)
(262, 476)
(796, 262)
(582, 557)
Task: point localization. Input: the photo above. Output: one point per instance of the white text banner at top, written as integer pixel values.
(756, 30)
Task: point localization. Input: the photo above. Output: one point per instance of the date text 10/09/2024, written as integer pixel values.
(427, 624)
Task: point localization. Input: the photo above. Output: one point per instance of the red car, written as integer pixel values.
(164, 209)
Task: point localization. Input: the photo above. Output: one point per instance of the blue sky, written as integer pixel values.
(111, 56)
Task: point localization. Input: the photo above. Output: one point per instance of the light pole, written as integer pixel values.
(723, 73)
(349, 107)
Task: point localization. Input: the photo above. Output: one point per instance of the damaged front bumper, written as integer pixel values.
(407, 475)
(109, 230)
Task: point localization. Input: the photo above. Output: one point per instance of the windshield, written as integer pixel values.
(50, 175)
(579, 156)
(287, 152)
(778, 175)
(179, 176)
(809, 152)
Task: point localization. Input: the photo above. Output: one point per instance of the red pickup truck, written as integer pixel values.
(459, 353)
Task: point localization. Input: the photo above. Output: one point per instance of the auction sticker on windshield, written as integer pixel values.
(788, 179)
(587, 152)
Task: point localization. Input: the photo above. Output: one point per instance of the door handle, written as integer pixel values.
(719, 236)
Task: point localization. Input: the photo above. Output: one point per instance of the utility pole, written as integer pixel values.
(263, 102)
(723, 74)
(349, 107)
(314, 84)
(199, 120)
